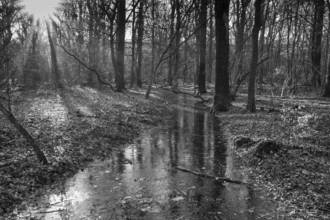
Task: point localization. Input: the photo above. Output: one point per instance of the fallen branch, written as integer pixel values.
(51, 211)
(220, 179)
(87, 67)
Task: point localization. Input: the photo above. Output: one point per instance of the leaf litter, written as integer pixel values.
(298, 175)
(73, 126)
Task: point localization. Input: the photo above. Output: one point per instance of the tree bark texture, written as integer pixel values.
(177, 43)
(221, 97)
(53, 55)
(327, 83)
(317, 42)
(211, 50)
(202, 50)
(91, 54)
(251, 105)
(170, 59)
(120, 81)
(133, 78)
(140, 22)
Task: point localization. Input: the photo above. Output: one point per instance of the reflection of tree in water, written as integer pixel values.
(219, 159)
(139, 152)
(198, 139)
(220, 149)
(173, 139)
(120, 161)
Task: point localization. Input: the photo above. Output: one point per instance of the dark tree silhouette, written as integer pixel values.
(251, 105)
(221, 96)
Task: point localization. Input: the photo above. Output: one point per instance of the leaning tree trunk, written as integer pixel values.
(221, 96)
(25, 134)
(251, 105)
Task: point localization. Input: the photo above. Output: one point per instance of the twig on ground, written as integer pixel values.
(220, 179)
(51, 211)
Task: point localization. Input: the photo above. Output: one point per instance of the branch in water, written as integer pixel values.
(209, 176)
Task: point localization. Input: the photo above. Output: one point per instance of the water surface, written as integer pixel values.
(140, 181)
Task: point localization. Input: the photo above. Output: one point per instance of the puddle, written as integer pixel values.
(140, 181)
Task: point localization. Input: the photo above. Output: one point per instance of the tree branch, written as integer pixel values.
(87, 67)
(220, 179)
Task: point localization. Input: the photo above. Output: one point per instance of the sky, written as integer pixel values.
(40, 8)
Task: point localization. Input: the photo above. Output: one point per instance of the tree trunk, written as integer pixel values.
(170, 59)
(327, 85)
(140, 43)
(91, 54)
(202, 46)
(120, 82)
(221, 97)
(54, 65)
(25, 134)
(133, 78)
(211, 57)
(239, 43)
(251, 105)
(317, 42)
(153, 46)
(177, 43)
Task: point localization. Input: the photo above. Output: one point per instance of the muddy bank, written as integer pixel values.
(286, 143)
(73, 126)
(181, 169)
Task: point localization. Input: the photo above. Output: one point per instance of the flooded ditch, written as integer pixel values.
(140, 181)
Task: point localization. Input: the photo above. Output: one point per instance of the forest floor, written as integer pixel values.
(73, 126)
(78, 125)
(297, 176)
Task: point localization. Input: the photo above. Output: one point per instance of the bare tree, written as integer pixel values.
(251, 105)
(53, 54)
(327, 85)
(316, 50)
(202, 48)
(221, 96)
(133, 65)
(8, 12)
(140, 22)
